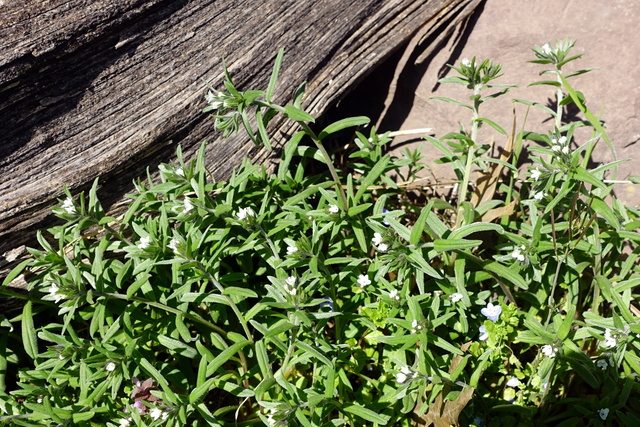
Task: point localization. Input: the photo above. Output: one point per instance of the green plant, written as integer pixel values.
(293, 299)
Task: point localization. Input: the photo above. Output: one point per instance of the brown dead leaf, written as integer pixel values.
(492, 214)
(447, 415)
(487, 182)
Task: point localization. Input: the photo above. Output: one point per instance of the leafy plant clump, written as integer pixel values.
(330, 299)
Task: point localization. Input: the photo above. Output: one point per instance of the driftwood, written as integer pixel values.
(108, 88)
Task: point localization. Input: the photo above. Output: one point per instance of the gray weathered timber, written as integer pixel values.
(107, 88)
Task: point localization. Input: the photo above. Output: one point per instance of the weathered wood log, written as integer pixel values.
(108, 88)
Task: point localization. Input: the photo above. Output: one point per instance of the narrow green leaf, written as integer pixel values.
(366, 414)
(494, 125)
(418, 227)
(224, 356)
(315, 353)
(506, 273)
(343, 124)
(418, 260)
(444, 245)
(371, 177)
(262, 130)
(263, 359)
(155, 374)
(177, 346)
(29, 338)
(297, 114)
(475, 227)
(201, 390)
(274, 75)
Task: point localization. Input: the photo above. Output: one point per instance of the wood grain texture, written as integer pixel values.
(108, 88)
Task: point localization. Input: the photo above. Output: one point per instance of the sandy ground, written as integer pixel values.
(505, 31)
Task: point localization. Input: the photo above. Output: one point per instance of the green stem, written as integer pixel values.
(232, 304)
(167, 308)
(269, 242)
(560, 97)
(332, 169)
(462, 191)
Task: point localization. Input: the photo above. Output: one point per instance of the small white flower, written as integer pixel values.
(363, 280)
(556, 148)
(517, 253)
(173, 244)
(110, 367)
(484, 335)
(604, 413)
(215, 99)
(513, 382)
(546, 49)
(382, 247)
(401, 378)
(602, 364)
(155, 413)
(562, 140)
(144, 242)
(188, 206)
(179, 171)
(394, 295)
(535, 174)
(124, 422)
(466, 62)
(415, 326)
(292, 249)
(609, 340)
(492, 312)
(245, 213)
(549, 350)
(334, 209)
(456, 297)
(68, 206)
(54, 293)
(290, 285)
(539, 195)
(565, 150)
(377, 239)
(405, 374)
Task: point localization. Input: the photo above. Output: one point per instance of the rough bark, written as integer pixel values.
(108, 88)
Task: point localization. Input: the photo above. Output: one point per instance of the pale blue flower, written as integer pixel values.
(492, 312)
(513, 382)
(604, 413)
(484, 335)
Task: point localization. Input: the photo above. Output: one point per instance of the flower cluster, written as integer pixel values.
(609, 340)
(405, 375)
(549, 350)
(559, 145)
(378, 242)
(518, 253)
(290, 285)
(244, 214)
(68, 206)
